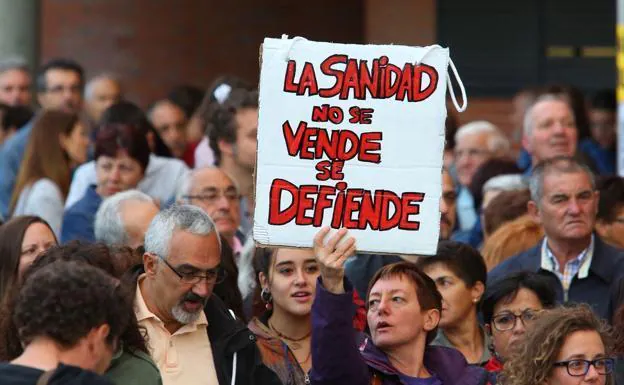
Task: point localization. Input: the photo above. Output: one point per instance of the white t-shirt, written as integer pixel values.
(42, 198)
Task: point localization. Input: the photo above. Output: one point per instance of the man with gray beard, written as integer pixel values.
(191, 335)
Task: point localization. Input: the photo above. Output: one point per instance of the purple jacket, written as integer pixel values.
(340, 355)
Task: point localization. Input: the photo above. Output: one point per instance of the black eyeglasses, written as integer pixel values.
(507, 320)
(216, 275)
(578, 367)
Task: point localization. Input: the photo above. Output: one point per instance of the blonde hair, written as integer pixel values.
(532, 363)
(511, 238)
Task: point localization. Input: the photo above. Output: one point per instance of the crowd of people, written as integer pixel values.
(126, 254)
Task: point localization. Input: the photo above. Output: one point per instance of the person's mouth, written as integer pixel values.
(302, 296)
(382, 327)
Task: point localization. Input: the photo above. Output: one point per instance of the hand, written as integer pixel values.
(332, 256)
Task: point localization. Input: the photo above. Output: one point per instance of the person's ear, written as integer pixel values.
(477, 291)
(97, 337)
(488, 329)
(526, 143)
(225, 147)
(432, 319)
(64, 141)
(264, 280)
(603, 229)
(151, 141)
(150, 264)
(534, 211)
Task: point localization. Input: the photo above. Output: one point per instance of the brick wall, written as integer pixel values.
(156, 44)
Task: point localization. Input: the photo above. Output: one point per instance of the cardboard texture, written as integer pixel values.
(350, 136)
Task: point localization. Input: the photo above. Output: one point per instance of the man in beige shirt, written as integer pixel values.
(190, 334)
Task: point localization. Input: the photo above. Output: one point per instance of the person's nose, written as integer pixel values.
(443, 206)
(223, 203)
(202, 288)
(115, 174)
(574, 207)
(518, 327)
(300, 278)
(592, 375)
(383, 307)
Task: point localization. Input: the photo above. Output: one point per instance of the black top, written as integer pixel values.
(11, 374)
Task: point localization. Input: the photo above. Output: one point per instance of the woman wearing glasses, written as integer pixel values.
(509, 306)
(565, 346)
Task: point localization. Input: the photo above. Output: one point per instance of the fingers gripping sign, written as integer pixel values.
(332, 255)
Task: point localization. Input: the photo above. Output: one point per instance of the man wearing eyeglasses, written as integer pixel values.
(191, 335)
(59, 87)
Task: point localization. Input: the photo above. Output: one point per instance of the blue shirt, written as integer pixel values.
(11, 155)
(603, 158)
(79, 219)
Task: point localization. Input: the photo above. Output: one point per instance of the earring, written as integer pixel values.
(267, 298)
(475, 300)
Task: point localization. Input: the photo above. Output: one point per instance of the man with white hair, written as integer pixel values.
(15, 82)
(476, 142)
(549, 129)
(123, 218)
(101, 92)
(191, 335)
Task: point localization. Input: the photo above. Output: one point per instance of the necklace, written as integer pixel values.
(294, 342)
(307, 358)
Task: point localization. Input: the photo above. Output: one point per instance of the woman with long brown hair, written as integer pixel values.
(22, 239)
(58, 143)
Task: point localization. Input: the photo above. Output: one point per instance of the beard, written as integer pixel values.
(184, 317)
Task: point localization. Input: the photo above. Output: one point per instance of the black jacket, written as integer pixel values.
(601, 289)
(231, 342)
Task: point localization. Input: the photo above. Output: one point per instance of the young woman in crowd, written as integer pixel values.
(565, 346)
(287, 278)
(22, 239)
(288, 281)
(121, 157)
(403, 313)
(459, 273)
(58, 143)
(508, 307)
(131, 364)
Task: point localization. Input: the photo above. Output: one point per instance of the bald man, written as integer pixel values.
(215, 192)
(101, 92)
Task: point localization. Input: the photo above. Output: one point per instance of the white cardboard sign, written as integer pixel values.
(350, 136)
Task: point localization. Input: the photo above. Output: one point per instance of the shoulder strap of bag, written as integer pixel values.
(44, 379)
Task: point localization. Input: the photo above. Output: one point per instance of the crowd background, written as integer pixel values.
(126, 197)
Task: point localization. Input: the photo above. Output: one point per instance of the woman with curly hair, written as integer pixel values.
(566, 346)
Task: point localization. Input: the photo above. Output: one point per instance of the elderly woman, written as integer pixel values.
(121, 157)
(509, 307)
(565, 346)
(403, 313)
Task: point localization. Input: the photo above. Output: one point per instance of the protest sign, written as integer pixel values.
(350, 136)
